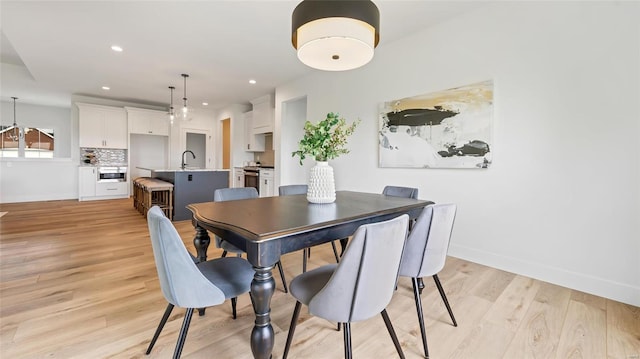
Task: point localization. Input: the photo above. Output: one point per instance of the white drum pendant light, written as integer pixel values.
(335, 35)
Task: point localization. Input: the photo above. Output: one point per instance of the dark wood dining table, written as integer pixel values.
(268, 227)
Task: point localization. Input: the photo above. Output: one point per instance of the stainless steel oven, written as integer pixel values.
(252, 177)
(112, 174)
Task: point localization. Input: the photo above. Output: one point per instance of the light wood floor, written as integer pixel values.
(78, 281)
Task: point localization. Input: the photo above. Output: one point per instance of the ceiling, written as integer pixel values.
(53, 49)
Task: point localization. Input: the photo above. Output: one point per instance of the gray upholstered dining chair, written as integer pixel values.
(397, 191)
(393, 191)
(234, 194)
(294, 189)
(188, 284)
(425, 255)
(360, 286)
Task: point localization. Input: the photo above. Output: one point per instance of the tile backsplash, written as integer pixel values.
(103, 156)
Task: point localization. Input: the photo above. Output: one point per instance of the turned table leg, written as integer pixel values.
(262, 289)
(201, 242)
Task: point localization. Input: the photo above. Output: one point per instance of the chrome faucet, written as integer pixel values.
(183, 161)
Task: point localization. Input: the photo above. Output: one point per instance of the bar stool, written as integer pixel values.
(138, 193)
(157, 193)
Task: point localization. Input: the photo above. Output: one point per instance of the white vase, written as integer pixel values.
(322, 186)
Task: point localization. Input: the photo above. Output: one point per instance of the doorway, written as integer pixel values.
(226, 143)
(197, 141)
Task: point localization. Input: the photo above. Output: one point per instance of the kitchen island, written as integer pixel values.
(191, 186)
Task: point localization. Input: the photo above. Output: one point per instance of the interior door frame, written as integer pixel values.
(209, 162)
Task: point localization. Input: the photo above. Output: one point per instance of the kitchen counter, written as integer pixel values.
(192, 186)
(184, 170)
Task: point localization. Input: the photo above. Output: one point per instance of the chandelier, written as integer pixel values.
(335, 35)
(15, 132)
(172, 114)
(185, 109)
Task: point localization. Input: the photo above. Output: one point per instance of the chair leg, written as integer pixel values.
(347, 341)
(304, 260)
(163, 321)
(284, 281)
(201, 311)
(234, 300)
(444, 298)
(392, 332)
(183, 333)
(343, 245)
(416, 294)
(335, 251)
(292, 328)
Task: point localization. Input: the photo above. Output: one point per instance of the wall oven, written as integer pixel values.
(252, 178)
(112, 174)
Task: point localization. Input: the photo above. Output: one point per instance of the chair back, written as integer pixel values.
(181, 281)
(364, 281)
(232, 194)
(427, 245)
(292, 189)
(405, 192)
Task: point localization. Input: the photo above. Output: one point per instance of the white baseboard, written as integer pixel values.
(37, 198)
(598, 286)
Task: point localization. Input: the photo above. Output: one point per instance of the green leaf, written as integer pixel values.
(325, 140)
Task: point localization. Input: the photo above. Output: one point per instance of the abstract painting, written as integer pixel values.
(444, 129)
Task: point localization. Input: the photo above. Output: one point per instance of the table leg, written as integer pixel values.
(201, 242)
(262, 288)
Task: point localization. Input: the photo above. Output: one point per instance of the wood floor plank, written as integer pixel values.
(538, 336)
(585, 332)
(623, 330)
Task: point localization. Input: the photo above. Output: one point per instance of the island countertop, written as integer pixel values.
(184, 170)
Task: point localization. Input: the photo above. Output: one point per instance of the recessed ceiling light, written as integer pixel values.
(205, 104)
(106, 88)
(116, 48)
(253, 82)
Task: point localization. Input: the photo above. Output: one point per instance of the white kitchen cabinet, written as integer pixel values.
(253, 142)
(147, 122)
(267, 188)
(102, 126)
(238, 177)
(87, 178)
(263, 115)
(90, 189)
(112, 189)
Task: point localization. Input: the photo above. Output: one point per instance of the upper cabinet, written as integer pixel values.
(253, 142)
(147, 122)
(263, 114)
(102, 126)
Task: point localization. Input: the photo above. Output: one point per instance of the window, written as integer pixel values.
(28, 142)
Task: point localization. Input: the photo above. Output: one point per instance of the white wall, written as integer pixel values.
(28, 115)
(561, 201)
(290, 125)
(21, 179)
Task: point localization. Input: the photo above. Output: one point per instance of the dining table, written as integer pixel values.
(268, 227)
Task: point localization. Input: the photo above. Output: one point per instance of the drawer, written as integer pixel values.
(266, 173)
(111, 188)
